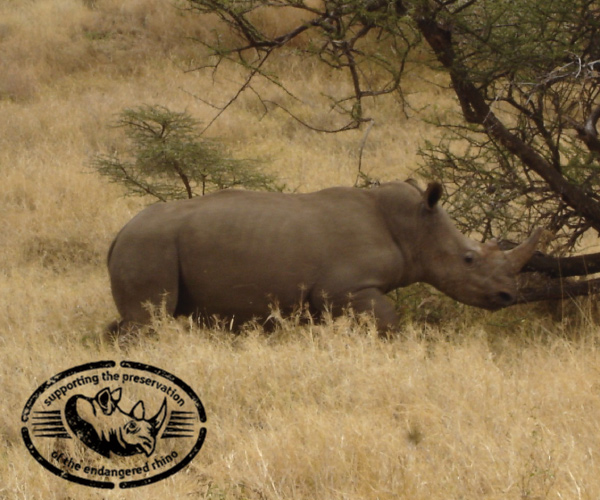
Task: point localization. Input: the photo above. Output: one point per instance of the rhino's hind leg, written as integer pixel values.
(143, 282)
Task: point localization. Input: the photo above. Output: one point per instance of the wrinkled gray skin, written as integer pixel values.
(235, 253)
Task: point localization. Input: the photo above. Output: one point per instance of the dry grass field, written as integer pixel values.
(466, 406)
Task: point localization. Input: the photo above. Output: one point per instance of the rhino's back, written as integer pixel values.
(252, 249)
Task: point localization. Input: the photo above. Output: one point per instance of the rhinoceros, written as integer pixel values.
(235, 254)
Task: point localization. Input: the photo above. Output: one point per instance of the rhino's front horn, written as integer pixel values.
(157, 420)
(519, 255)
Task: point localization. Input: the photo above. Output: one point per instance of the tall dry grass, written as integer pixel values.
(472, 405)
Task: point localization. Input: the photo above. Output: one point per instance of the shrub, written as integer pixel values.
(168, 159)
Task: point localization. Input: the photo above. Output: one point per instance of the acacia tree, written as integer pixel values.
(167, 159)
(525, 75)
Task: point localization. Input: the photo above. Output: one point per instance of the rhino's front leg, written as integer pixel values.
(372, 300)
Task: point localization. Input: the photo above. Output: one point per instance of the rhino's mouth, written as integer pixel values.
(147, 446)
(499, 300)
(505, 299)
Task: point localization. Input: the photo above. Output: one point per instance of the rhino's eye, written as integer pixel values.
(131, 427)
(469, 258)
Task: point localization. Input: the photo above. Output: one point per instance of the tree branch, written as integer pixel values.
(558, 290)
(588, 132)
(476, 110)
(245, 85)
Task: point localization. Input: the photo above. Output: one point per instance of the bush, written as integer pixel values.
(168, 159)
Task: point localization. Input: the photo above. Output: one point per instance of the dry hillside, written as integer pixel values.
(462, 404)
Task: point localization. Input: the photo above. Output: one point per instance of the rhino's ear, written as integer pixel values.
(432, 194)
(138, 411)
(116, 395)
(104, 401)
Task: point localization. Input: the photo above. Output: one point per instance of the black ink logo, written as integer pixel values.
(106, 428)
(100, 424)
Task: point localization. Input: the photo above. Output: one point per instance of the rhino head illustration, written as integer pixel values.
(104, 427)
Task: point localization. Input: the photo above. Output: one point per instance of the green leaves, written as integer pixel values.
(167, 158)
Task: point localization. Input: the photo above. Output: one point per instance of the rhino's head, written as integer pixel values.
(103, 426)
(477, 274)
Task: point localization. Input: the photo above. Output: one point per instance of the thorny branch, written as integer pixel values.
(526, 81)
(336, 33)
(254, 71)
